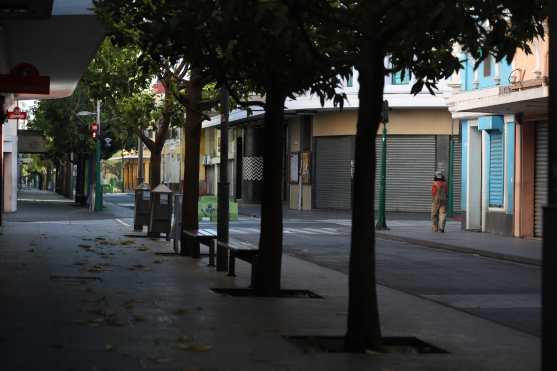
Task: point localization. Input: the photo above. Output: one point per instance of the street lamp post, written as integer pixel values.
(98, 183)
(98, 197)
(450, 202)
(381, 224)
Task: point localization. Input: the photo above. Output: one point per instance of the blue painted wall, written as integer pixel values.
(485, 81)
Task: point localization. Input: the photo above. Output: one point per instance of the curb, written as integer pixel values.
(468, 250)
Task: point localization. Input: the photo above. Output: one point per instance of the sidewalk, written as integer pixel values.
(415, 228)
(527, 251)
(81, 296)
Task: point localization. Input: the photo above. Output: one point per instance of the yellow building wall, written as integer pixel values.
(401, 122)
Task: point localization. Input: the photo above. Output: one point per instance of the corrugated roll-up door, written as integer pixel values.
(496, 169)
(333, 180)
(410, 170)
(541, 176)
(457, 174)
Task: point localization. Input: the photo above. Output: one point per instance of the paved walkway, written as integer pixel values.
(527, 251)
(78, 295)
(415, 228)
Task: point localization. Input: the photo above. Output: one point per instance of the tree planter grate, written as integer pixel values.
(241, 292)
(335, 344)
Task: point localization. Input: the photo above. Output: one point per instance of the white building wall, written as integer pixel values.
(10, 166)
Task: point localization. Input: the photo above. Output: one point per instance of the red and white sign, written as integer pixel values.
(17, 114)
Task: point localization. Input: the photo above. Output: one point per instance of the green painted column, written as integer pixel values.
(381, 220)
(450, 183)
(98, 182)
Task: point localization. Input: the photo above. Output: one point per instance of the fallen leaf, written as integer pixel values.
(31, 250)
(138, 318)
(163, 360)
(181, 312)
(108, 347)
(183, 339)
(200, 348)
(183, 346)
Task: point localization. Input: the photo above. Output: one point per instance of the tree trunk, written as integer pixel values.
(155, 167)
(192, 127)
(364, 331)
(269, 261)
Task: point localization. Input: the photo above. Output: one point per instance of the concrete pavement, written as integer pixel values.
(77, 295)
(415, 228)
(526, 251)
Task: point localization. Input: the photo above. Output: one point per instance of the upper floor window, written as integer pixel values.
(397, 78)
(350, 81)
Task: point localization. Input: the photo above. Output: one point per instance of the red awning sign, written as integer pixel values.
(17, 114)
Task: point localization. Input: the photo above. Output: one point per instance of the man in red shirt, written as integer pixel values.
(439, 202)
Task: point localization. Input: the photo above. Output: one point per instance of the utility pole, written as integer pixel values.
(140, 178)
(224, 186)
(450, 201)
(381, 219)
(98, 180)
(549, 285)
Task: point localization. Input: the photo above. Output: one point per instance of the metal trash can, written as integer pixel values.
(142, 207)
(161, 211)
(175, 231)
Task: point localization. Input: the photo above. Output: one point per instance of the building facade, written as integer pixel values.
(319, 149)
(502, 108)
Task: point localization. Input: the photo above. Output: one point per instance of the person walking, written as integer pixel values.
(439, 202)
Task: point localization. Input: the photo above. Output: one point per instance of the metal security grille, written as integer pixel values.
(496, 169)
(333, 161)
(541, 176)
(410, 169)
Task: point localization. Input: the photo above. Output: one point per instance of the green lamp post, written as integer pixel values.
(98, 185)
(381, 219)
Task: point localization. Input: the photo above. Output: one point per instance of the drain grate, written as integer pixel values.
(166, 253)
(285, 293)
(335, 344)
(75, 278)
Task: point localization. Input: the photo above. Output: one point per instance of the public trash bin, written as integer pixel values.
(161, 211)
(176, 230)
(142, 207)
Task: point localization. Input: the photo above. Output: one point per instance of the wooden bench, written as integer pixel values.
(205, 237)
(245, 251)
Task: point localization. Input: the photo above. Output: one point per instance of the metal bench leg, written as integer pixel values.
(212, 253)
(253, 268)
(231, 264)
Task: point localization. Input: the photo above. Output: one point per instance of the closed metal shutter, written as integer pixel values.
(410, 170)
(457, 174)
(496, 170)
(333, 180)
(541, 176)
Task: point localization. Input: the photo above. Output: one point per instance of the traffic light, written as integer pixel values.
(94, 130)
